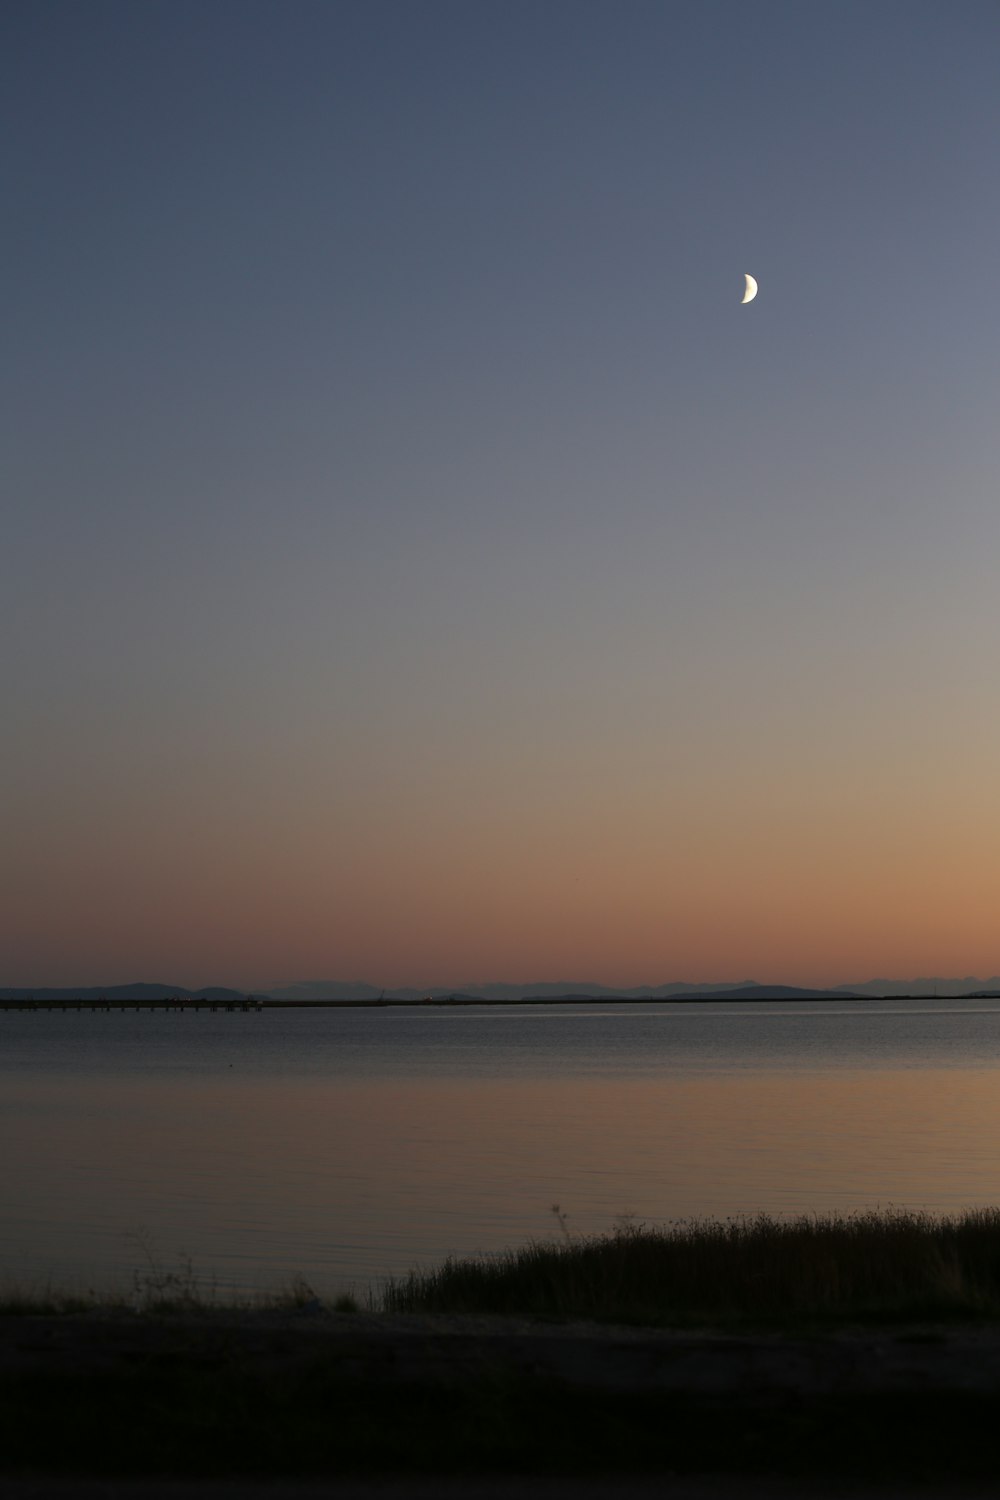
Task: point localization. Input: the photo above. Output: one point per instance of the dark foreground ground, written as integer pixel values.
(215, 1406)
(621, 1487)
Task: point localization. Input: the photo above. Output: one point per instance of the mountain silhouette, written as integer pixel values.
(969, 987)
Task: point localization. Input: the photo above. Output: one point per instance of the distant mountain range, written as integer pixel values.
(357, 989)
(123, 992)
(745, 989)
(338, 989)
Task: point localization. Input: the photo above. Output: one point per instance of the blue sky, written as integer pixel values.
(418, 564)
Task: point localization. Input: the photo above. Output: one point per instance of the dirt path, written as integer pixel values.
(379, 1349)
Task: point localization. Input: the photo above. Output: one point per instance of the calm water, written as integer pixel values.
(347, 1145)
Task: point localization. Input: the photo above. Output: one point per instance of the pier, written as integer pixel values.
(172, 1002)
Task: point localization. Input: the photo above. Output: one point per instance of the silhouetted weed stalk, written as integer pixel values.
(880, 1264)
(162, 1287)
(158, 1287)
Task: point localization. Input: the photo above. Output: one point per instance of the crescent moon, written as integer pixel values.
(751, 289)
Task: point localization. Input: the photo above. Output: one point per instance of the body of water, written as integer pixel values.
(346, 1145)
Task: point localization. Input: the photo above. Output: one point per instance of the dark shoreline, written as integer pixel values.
(253, 1003)
(213, 1395)
(847, 1349)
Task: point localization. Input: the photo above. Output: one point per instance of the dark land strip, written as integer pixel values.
(253, 1003)
(314, 1395)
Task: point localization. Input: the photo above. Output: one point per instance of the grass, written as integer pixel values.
(161, 1290)
(189, 1398)
(21, 1302)
(878, 1265)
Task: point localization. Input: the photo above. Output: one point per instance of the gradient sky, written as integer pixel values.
(416, 563)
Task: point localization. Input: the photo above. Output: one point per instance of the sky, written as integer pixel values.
(417, 565)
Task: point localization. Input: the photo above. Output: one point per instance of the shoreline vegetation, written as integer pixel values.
(873, 1266)
(861, 1344)
(885, 1265)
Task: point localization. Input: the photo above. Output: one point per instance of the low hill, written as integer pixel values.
(116, 992)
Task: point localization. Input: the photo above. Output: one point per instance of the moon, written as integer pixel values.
(751, 289)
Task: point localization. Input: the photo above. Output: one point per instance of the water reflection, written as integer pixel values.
(345, 1178)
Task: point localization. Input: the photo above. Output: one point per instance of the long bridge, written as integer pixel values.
(169, 1002)
(244, 1003)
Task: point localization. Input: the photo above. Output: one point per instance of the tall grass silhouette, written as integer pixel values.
(878, 1264)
